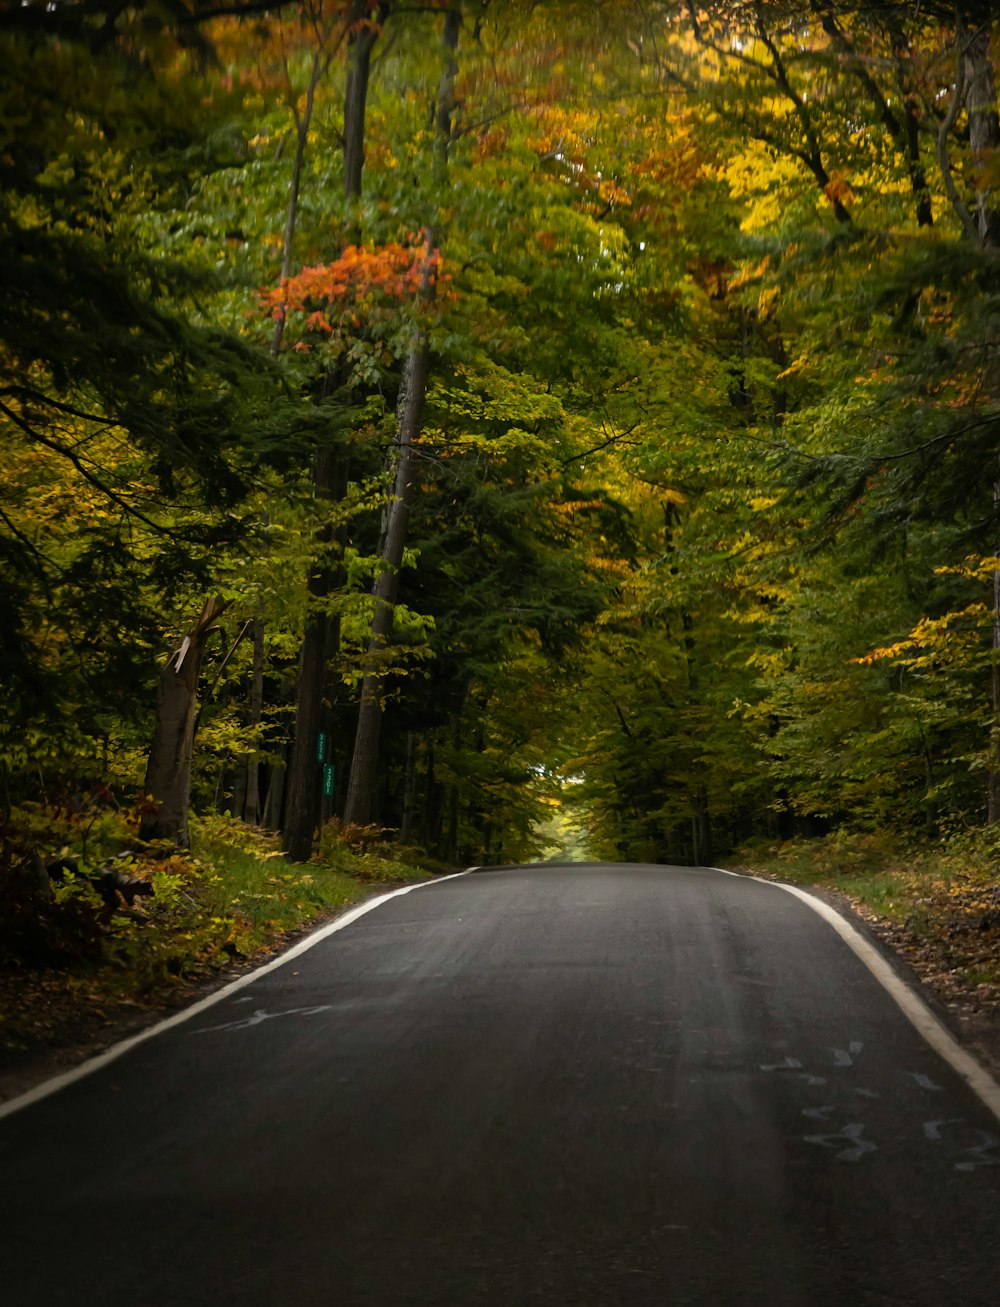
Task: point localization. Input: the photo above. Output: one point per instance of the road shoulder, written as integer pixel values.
(923, 963)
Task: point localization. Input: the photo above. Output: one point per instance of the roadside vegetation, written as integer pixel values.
(80, 965)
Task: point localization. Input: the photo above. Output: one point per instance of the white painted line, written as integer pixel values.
(112, 1054)
(911, 1004)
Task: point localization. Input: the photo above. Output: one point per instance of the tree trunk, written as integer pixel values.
(409, 790)
(302, 784)
(239, 794)
(701, 829)
(993, 771)
(433, 813)
(168, 773)
(251, 805)
(454, 823)
(274, 801)
(984, 125)
(984, 141)
(365, 29)
(299, 812)
(364, 764)
(409, 410)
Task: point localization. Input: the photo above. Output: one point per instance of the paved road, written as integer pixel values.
(578, 1087)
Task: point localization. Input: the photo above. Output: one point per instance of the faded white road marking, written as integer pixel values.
(982, 1154)
(262, 1014)
(925, 1082)
(867, 1093)
(819, 1113)
(813, 1080)
(845, 1057)
(118, 1050)
(910, 1004)
(857, 1147)
(979, 1152)
(932, 1129)
(789, 1064)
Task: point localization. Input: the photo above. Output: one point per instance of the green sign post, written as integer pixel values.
(321, 747)
(328, 780)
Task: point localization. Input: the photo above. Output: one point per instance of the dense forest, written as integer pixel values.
(439, 417)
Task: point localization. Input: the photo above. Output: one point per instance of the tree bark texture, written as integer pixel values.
(274, 800)
(365, 29)
(984, 139)
(409, 790)
(993, 773)
(251, 802)
(168, 772)
(302, 806)
(984, 125)
(302, 787)
(364, 762)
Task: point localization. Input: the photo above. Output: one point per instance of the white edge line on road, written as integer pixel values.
(111, 1054)
(911, 1004)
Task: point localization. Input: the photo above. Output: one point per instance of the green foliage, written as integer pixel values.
(705, 515)
(235, 898)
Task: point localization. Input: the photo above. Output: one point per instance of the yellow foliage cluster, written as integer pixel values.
(935, 637)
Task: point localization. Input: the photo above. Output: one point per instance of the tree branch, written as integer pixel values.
(87, 475)
(969, 224)
(575, 458)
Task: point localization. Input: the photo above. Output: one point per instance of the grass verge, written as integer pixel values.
(77, 972)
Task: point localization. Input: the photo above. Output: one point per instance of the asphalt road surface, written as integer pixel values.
(575, 1086)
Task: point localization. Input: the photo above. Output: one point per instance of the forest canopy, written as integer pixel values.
(434, 417)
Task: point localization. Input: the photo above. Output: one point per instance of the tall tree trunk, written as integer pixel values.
(322, 635)
(454, 793)
(251, 804)
(975, 88)
(364, 763)
(454, 823)
(433, 804)
(993, 771)
(976, 70)
(701, 829)
(274, 801)
(365, 29)
(301, 815)
(984, 126)
(409, 790)
(302, 788)
(168, 772)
